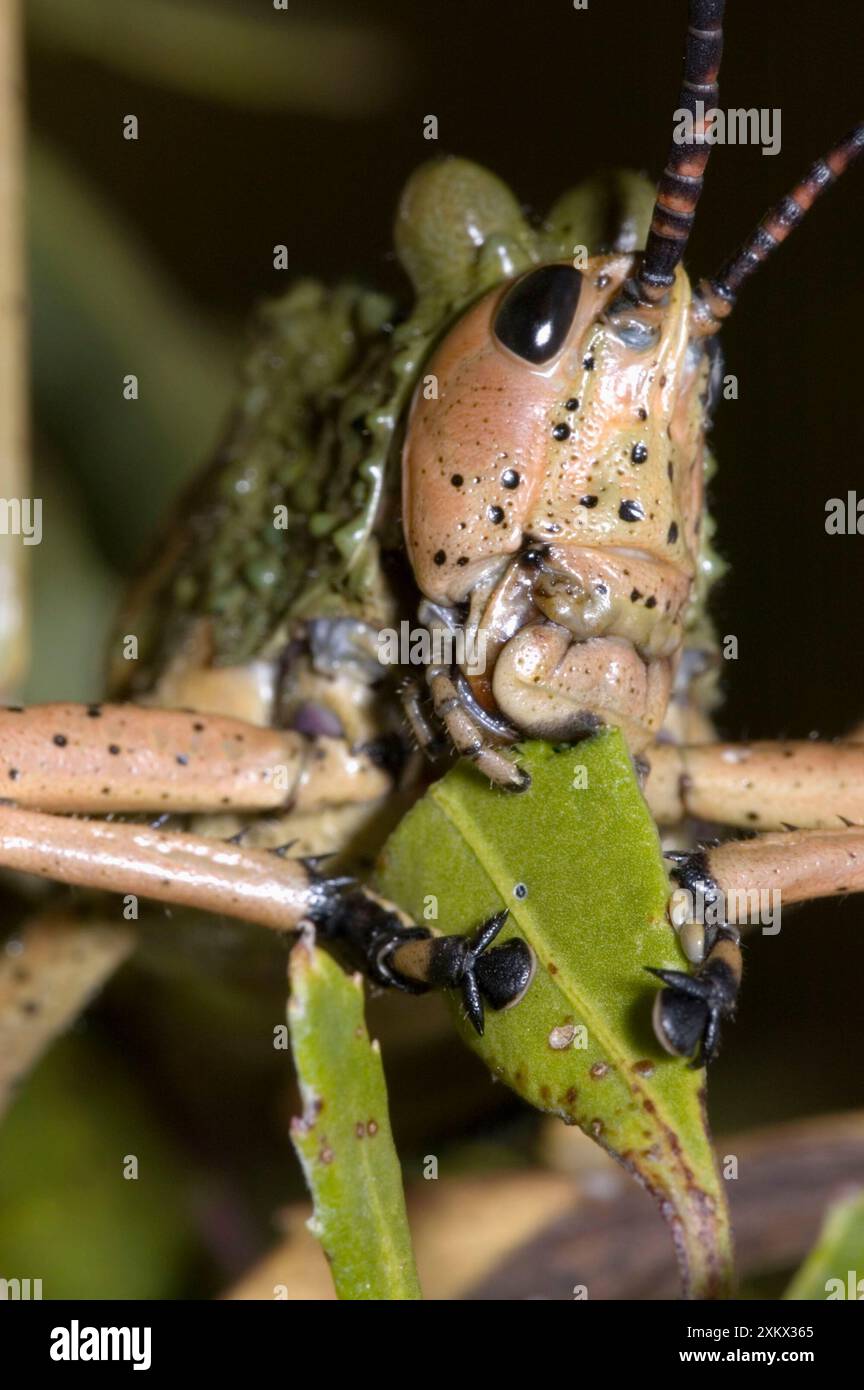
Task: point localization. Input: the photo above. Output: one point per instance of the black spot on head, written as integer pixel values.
(114, 749)
(672, 533)
(589, 500)
(630, 510)
(496, 515)
(670, 469)
(639, 452)
(588, 362)
(457, 480)
(198, 727)
(439, 558)
(635, 595)
(182, 759)
(94, 711)
(463, 560)
(651, 602)
(573, 403)
(510, 478)
(13, 774)
(561, 431)
(61, 740)
(642, 413)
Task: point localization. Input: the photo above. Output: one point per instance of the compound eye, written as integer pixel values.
(537, 313)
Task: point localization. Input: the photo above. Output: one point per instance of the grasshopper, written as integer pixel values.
(516, 468)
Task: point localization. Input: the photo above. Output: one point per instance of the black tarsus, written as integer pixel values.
(368, 936)
(691, 1008)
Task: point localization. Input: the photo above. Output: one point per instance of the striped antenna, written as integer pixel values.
(681, 184)
(718, 294)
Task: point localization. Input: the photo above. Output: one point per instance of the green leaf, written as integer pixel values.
(580, 1044)
(834, 1268)
(343, 1139)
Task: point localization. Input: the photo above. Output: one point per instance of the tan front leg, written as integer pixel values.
(105, 758)
(797, 865)
(765, 786)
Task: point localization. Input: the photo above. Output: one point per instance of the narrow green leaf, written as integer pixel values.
(343, 1138)
(834, 1269)
(577, 861)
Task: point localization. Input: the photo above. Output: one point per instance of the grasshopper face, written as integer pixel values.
(555, 486)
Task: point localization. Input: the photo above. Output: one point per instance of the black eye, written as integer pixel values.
(536, 315)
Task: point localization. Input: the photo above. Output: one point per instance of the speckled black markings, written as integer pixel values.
(114, 749)
(639, 452)
(572, 404)
(457, 480)
(61, 740)
(589, 500)
(510, 478)
(672, 533)
(496, 515)
(588, 362)
(630, 510)
(439, 558)
(561, 431)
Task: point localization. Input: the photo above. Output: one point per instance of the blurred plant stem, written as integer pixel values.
(272, 61)
(835, 1266)
(103, 308)
(57, 965)
(13, 351)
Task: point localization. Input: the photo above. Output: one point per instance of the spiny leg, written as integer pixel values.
(425, 736)
(729, 883)
(263, 887)
(468, 737)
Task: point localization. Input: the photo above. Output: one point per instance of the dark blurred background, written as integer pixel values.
(259, 127)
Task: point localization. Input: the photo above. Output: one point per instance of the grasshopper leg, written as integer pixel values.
(263, 887)
(732, 880)
(759, 786)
